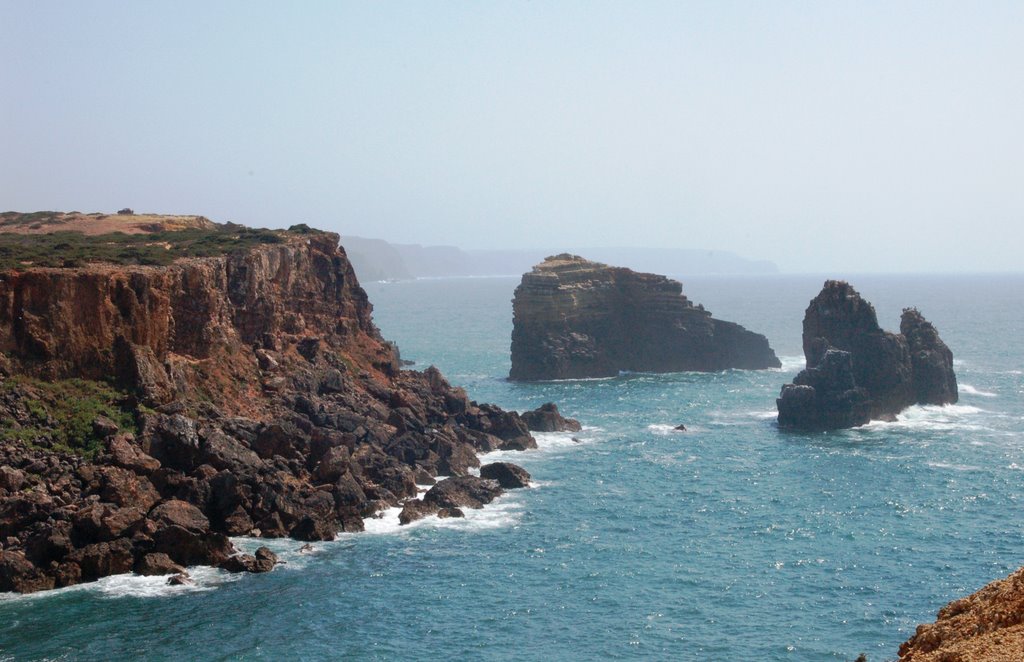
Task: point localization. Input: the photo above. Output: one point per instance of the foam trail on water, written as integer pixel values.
(970, 390)
(933, 417)
(500, 513)
(131, 585)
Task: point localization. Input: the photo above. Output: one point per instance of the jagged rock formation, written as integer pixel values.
(547, 418)
(987, 626)
(256, 398)
(856, 372)
(574, 318)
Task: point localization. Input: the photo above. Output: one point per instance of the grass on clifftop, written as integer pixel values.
(73, 249)
(59, 415)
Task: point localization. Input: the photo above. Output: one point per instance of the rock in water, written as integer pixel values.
(547, 418)
(573, 318)
(857, 372)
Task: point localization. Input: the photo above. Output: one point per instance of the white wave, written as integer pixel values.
(500, 513)
(130, 585)
(933, 417)
(792, 363)
(970, 390)
(765, 414)
(955, 467)
(664, 429)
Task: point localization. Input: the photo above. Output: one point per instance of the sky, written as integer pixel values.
(823, 136)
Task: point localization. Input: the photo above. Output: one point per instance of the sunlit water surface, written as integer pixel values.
(732, 540)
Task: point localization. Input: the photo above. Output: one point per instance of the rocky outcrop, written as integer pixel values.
(547, 418)
(985, 626)
(857, 372)
(573, 318)
(256, 398)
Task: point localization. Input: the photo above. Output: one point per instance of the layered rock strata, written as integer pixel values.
(856, 371)
(573, 318)
(262, 401)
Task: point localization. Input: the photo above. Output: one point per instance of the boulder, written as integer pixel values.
(157, 563)
(463, 491)
(509, 476)
(547, 418)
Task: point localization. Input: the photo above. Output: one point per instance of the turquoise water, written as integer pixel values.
(730, 541)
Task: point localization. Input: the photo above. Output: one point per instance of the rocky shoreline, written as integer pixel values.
(254, 397)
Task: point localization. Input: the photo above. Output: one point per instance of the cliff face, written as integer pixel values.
(856, 371)
(262, 399)
(574, 318)
(988, 625)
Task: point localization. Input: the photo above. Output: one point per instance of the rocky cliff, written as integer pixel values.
(148, 412)
(575, 318)
(987, 626)
(856, 371)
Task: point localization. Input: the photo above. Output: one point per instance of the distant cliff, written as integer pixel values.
(856, 371)
(182, 383)
(375, 259)
(575, 318)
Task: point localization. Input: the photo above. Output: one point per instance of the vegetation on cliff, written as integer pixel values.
(66, 415)
(251, 395)
(74, 249)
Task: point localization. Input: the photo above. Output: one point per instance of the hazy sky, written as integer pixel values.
(823, 136)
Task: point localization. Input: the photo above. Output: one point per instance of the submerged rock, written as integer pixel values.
(573, 318)
(856, 371)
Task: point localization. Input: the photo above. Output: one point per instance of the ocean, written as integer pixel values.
(730, 541)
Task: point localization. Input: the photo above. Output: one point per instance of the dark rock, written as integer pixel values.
(157, 563)
(509, 476)
(126, 454)
(547, 418)
(932, 361)
(175, 512)
(445, 513)
(416, 509)
(856, 372)
(104, 558)
(463, 491)
(181, 579)
(103, 427)
(573, 318)
(680, 428)
(11, 479)
(19, 574)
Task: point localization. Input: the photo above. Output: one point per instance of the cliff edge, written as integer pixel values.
(171, 386)
(573, 318)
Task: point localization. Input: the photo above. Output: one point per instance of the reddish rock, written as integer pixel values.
(157, 563)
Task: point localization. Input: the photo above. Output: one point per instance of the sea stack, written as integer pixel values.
(573, 318)
(857, 372)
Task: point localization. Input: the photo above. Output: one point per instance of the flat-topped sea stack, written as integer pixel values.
(167, 382)
(856, 372)
(573, 318)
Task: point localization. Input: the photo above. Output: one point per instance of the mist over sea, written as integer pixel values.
(732, 540)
